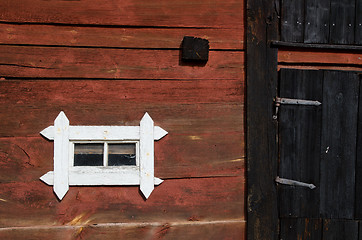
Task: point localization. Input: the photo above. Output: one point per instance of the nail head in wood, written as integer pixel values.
(195, 49)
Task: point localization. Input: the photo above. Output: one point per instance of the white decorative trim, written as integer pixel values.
(61, 154)
(88, 176)
(101, 133)
(65, 174)
(146, 154)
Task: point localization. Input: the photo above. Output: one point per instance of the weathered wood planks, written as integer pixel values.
(322, 21)
(301, 228)
(211, 156)
(340, 229)
(175, 104)
(295, 56)
(342, 21)
(318, 144)
(292, 19)
(318, 229)
(62, 62)
(107, 63)
(316, 21)
(358, 195)
(358, 26)
(200, 115)
(300, 142)
(174, 13)
(338, 144)
(262, 19)
(93, 36)
(213, 230)
(32, 204)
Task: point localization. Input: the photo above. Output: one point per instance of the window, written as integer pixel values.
(102, 155)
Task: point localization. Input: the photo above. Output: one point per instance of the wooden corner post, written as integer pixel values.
(261, 61)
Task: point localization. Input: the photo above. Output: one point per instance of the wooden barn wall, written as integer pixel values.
(293, 34)
(107, 63)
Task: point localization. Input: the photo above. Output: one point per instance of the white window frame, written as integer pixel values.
(65, 174)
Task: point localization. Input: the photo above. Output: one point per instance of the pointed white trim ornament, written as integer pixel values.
(61, 155)
(64, 175)
(146, 154)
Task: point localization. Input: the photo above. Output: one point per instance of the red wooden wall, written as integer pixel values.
(107, 63)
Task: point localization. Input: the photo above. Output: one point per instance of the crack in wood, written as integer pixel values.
(127, 225)
(24, 66)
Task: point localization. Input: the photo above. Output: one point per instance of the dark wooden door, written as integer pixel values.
(320, 145)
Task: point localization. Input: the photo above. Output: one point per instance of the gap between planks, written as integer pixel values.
(320, 67)
(128, 225)
(113, 26)
(106, 47)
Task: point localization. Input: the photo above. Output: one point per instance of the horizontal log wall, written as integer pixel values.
(107, 63)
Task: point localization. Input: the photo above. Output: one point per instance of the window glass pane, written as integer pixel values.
(88, 154)
(122, 154)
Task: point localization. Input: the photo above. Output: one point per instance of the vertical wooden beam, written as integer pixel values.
(262, 27)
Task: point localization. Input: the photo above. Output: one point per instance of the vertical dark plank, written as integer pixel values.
(342, 21)
(316, 21)
(338, 152)
(340, 230)
(299, 144)
(262, 27)
(358, 200)
(359, 230)
(358, 27)
(292, 20)
(300, 228)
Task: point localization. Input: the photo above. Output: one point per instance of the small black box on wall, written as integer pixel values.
(195, 49)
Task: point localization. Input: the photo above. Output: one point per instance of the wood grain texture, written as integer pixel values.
(33, 203)
(320, 57)
(62, 62)
(338, 144)
(183, 231)
(214, 152)
(340, 229)
(292, 20)
(316, 24)
(117, 37)
(262, 19)
(174, 13)
(342, 21)
(358, 199)
(299, 142)
(301, 228)
(358, 26)
(318, 67)
(205, 116)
